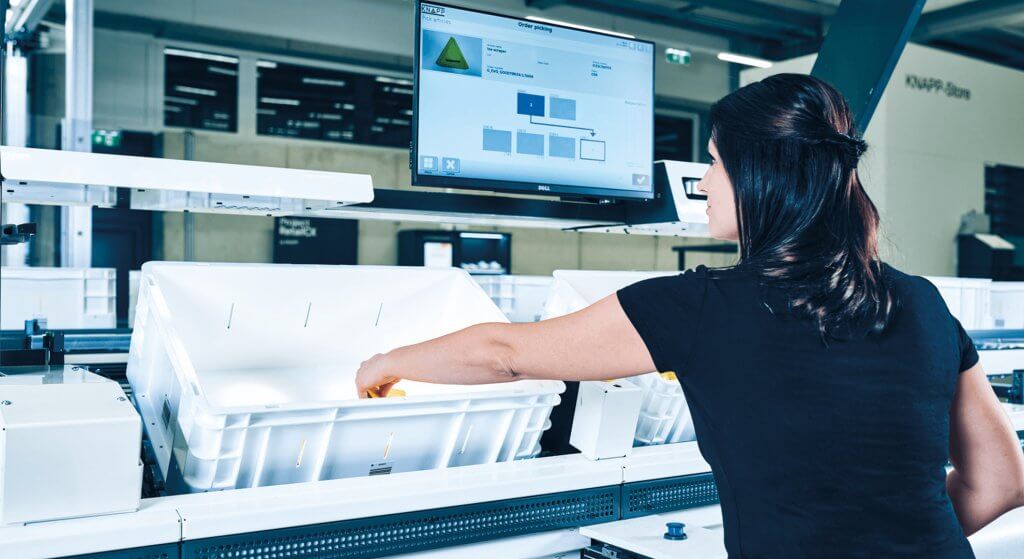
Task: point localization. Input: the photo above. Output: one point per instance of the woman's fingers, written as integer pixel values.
(385, 389)
(372, 381)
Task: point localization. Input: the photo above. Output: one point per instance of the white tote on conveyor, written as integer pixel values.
(664, 415)
(245, 375)
(68, 298)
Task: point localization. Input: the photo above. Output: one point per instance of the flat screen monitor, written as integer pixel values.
(508, 104)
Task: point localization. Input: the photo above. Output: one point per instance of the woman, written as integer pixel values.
(828, 389)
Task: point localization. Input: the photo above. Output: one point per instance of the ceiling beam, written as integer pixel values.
(985, 48)
(792, 49)
(25, 17)
(682, 19)
(807, 24)
(969, 16)
(543, 4)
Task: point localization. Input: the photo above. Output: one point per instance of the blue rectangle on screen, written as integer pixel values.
(497, 140)
(564, 109)
(561, 146)
(528, 104)
(530, 144)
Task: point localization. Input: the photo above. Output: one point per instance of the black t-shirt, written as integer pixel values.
(818, 449)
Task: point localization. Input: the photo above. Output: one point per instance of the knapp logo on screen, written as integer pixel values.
(432, 10)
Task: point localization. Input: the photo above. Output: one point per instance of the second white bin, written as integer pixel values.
(664, 414)
(1007, 304)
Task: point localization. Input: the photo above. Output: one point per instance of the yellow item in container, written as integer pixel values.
(669, 375)
(394, 393)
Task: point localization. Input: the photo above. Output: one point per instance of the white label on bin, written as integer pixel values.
(381, 468)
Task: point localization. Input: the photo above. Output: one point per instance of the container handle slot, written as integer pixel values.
(465, 441)
(302, 450)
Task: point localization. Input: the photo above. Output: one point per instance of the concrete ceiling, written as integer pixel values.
(991, 30)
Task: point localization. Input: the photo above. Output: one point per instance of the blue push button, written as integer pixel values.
(675, 531)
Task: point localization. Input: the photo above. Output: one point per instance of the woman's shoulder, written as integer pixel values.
(911, 290)
(904, 281)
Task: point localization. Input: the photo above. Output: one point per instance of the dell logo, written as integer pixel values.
(543, 188)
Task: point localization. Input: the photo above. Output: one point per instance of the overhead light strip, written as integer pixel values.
(201, 55)
(745, 60)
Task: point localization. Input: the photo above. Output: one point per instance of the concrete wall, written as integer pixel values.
(129, 95)
(386, 27)
(928, 150)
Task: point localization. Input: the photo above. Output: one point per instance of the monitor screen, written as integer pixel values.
(509, 104)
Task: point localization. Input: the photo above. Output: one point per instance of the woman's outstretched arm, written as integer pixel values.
(988, 466)
(596, 343)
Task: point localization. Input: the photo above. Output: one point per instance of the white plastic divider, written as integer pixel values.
(521, 298)
(664, 414)
(67, 297)
(247, 373)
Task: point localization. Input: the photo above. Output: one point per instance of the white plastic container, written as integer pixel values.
(66, 297)
(133, 293)
(664, 414)
(247, 373)
(967, 298)
(1007, 304)
(521, 298)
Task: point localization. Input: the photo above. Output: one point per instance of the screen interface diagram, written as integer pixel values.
(533, 106)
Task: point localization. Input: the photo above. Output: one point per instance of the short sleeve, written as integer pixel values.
(666, 313)
(968, 355)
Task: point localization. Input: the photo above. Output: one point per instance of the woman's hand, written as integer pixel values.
(376, 377)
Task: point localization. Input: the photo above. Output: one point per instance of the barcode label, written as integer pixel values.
(381, 468)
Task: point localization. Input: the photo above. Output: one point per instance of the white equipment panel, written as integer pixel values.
(645, 536)
(44, 176)
(69, 447)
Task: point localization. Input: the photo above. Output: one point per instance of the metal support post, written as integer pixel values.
(76, 222)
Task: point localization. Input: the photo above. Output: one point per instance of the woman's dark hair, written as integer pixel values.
(790, 148)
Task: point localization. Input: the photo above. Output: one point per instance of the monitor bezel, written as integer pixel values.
(518, 187)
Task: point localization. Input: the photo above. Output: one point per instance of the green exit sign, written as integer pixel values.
(106, 138)
(677, 56)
